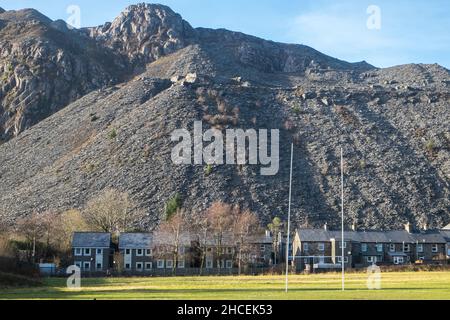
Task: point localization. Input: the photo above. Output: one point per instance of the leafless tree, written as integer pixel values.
(112, 211)
(172, 233)
(246, 227)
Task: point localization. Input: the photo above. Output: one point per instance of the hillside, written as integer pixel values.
(393, 124)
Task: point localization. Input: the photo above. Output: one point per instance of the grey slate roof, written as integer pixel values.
(396, 236)
(446, 235)
(91, 240)
(429, 237)
(135, 240)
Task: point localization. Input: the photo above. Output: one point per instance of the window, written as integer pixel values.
(148, 252)
(364, 247)
(99, 266)
(372, 259)
(435, 248)
(78, 264)
(339, 259)
(420, 248)
(392, 247)
(340, 244)
(87, 252)
(398, 260)
(181, 264)
(209, 264)
(78, 252)
(182, 250)
(230, 250)
(139, 252)
(306, 247)
(209, 249)
(127, 266)
(422, 258)
(263, 248)
(99, 251)
(406, 247)
(127, 251)
(160, 264)
(86, 265)
(229, 264)
(169, 264)
(148, 266)
(379, 247)
(139, 266)
(321, 246)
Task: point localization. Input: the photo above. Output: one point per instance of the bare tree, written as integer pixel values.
(200, 228)
(112, 211)
(246, 227)
(36, 228)
(173, 232)
(65, 224)
(220, 221)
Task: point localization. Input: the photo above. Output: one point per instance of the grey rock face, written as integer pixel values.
(144, 32)
(44, 67)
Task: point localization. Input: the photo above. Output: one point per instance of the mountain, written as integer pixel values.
(392, 123)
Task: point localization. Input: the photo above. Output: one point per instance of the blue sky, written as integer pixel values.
(412, 31)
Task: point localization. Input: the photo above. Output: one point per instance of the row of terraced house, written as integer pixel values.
(311, 250)
(157, 253)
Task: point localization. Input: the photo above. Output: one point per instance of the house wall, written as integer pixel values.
(91, 258)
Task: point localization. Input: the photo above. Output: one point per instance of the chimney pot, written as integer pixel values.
(325, 226)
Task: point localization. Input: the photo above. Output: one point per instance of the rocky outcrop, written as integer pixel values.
(44, 66)
(144, 33)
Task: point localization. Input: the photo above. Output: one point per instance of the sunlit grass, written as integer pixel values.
(407, 285)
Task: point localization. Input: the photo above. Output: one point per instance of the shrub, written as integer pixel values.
(113, 134)
(173, 205)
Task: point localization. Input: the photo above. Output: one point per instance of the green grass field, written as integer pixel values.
(406, 285)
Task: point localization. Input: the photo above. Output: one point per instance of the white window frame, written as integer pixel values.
(139, 252)
(209, 264)
(97, 266)
(321, 246)
(148, 252)
(148, 266)
(399, 260)
(160, 264)
(392, 247)
(379, 247)
(85, 252)
(364, 247)
(169, 264)
(181, 264)
(406, 247)
(262, 248)
(372, 259)
(339, 259)
(98, 251)
(127, 252)
(420, 247)
(78, 252)
(139, 266)
(78, 264)
(435, 248)
(340, 244)
(127, 266)
(84, 265)
(229, 264)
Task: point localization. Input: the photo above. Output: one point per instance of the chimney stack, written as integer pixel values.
(325, 226)
(354, 227)
(408, 227)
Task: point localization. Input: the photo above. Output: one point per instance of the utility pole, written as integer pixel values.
(342, 220)
(289, 220)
